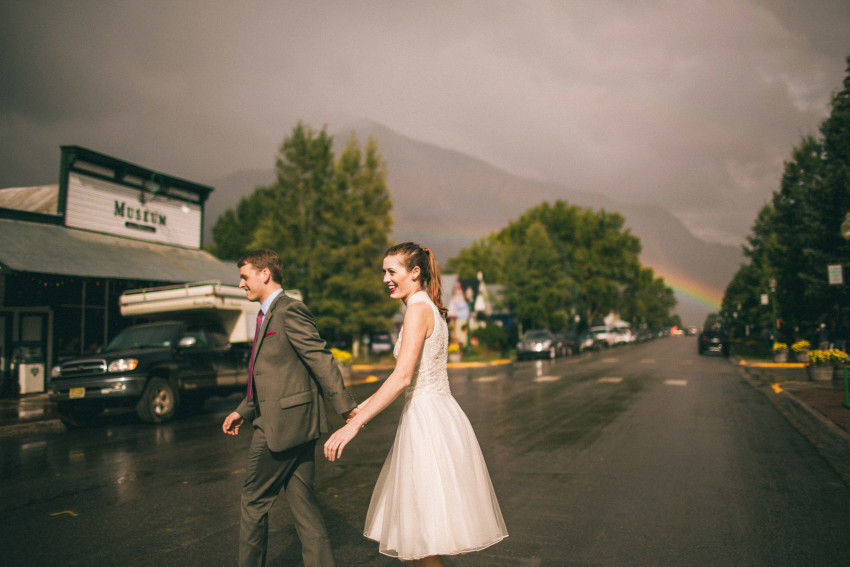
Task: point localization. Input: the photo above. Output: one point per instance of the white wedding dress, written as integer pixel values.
(434, 495)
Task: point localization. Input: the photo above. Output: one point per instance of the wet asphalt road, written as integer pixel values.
(641, 455)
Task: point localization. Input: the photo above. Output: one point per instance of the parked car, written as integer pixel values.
(539, 343)
(586, 341)
(622, 336)
(380, 343)
(567, 343)
(155, 368)
(713, 340)
(602, 336)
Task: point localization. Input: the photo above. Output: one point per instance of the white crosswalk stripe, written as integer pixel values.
(486, 379)
(547, 378)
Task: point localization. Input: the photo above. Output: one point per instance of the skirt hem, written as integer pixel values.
(432, 554)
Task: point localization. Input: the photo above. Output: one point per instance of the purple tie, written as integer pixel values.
(253, 352)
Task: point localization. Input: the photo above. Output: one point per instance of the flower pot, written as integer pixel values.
(820, 373)
(780, 356)
(801, 356)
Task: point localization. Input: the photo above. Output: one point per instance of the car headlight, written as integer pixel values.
(56, 371)
(123, 365)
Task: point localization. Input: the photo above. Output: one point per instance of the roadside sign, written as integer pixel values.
(764, 299)
(836, 274)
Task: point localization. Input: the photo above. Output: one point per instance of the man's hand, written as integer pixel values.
(347, 416)
(232, 423)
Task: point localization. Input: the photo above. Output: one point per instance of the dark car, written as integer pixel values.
(155, 368)
(567, 343)
(381, 343)
(713, 340)
(540, 343)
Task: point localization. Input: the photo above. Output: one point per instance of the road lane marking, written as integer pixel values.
(777, 388)
(486, 379)
(547, 378)
(609, 360)
(675, 382)
(69, 512)
(366, 380)
(610, 380)
(648, 361)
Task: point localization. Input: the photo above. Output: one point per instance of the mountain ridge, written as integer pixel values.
(446, 200)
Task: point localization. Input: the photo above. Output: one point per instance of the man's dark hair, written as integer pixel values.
(262, 259)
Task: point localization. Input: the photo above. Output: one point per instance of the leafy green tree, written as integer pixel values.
(484, 255)
(647, 301)
(329, 221)
(294, 207)
(534, 278)
(353, 299)
(798, 234)
(232, 232)
(558, 261)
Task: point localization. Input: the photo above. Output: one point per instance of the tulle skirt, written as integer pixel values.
(434, 495)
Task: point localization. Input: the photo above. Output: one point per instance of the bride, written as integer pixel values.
(433, 496)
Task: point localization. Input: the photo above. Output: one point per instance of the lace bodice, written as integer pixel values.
(431, 376)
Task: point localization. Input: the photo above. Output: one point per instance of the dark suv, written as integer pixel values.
(713, 340)
(156, 367)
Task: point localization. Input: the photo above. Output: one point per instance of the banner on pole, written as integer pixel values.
(836, 274)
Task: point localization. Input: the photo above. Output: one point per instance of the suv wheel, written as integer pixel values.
(159, 402)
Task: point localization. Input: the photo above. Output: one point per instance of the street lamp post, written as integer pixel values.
(773, 304)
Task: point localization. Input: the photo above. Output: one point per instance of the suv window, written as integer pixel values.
(145, 336)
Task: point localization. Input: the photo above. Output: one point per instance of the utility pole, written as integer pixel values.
(773, 304)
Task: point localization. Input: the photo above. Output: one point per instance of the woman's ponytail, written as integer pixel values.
(434, 285)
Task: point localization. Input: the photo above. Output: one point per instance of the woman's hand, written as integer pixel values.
(337, 442)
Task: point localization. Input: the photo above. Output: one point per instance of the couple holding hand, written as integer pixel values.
(433, 496)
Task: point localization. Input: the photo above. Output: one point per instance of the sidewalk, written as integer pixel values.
(825, 399)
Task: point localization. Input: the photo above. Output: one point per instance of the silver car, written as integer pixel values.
(539, 343)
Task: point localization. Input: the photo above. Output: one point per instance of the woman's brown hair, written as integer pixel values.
(414, 255)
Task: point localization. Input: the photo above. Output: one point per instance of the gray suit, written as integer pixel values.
(293, 374)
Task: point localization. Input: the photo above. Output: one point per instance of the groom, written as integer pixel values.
(290, 374)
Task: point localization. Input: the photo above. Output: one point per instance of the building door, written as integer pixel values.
(6, 385)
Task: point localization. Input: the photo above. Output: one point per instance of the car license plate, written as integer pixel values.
(77, 393)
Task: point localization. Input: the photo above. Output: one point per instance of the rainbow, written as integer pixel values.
(692, 290)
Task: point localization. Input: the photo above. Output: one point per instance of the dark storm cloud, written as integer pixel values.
(690, 104)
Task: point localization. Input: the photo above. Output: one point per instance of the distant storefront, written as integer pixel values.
(68, 251)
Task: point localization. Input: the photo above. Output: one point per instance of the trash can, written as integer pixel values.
(29, 363)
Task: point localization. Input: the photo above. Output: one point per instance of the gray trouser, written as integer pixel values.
(269, 474)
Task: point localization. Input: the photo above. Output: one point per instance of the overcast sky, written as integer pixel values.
(690, 104)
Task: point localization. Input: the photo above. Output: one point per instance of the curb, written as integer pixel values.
(830, 440)
(42, 426)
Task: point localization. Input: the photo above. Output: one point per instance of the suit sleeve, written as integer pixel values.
(246, 410)
(311, 348)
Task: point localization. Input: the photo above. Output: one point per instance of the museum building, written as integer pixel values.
(68, 251)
